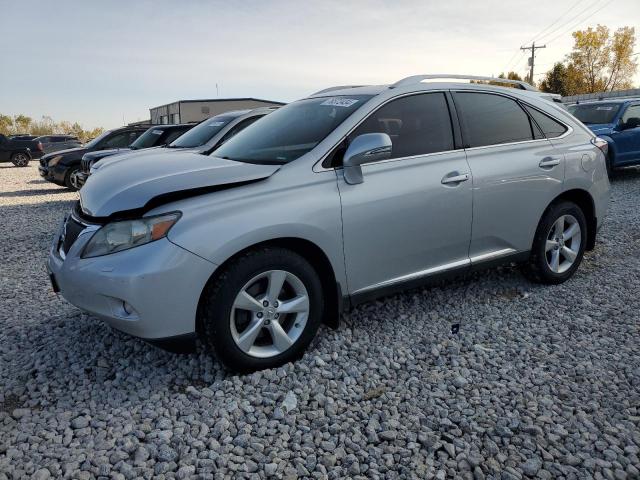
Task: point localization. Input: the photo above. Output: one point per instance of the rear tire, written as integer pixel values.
(20, 159)
(559, 244)
(254, 315)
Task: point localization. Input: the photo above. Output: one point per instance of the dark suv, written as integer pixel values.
(62, 167)
(157, 136)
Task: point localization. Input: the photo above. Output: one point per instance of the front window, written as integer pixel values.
(202, 133)
(594, 113)
(148, 139)
(291, 131)
(98, 139)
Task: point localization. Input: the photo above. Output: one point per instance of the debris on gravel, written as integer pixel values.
(540, 382)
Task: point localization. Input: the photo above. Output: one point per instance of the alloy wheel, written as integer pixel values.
(563, 243)
(269, 313)
(20, 160)
(73, 180)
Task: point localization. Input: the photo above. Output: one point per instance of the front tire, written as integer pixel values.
(263, 310)
(559, 244)
(20, 159)
(71, 179)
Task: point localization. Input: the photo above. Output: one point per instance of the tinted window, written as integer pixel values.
(492, 119)
(203, 132)
(417, 125)
(120, 140)
(291, 131)
(595, 112)
(173, 134)
(632, 112)
(238, 128)
(550, 127)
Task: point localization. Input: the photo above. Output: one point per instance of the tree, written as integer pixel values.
(6, 124)
(22, 123)
(601, 61)
(45, 126)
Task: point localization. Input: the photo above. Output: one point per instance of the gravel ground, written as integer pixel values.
(539, 382)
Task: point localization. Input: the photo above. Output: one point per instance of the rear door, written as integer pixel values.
(628, 139)
(410, 218)
(516, 173)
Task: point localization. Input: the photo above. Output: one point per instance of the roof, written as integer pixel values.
(209, 100)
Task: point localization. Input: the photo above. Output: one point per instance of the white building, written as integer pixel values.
(187, 111)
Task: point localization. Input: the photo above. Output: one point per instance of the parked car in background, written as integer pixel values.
(157, 136)
(54, 143)
(205, 137)
(617, 122)
(19, 150)
(62, 167)
(347, 195)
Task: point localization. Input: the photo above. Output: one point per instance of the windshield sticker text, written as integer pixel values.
(339, 102)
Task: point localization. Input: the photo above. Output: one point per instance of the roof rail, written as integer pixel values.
(339, 87)
(419, 78)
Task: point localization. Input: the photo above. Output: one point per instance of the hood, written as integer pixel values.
(98, 154)
(121, 189)
(72, 152)
(600, 128)
(126, 155)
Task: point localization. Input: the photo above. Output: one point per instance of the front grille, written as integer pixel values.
(86, 165)
(72, 229)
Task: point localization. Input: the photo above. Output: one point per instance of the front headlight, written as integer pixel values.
(118, 236)
(54, 161)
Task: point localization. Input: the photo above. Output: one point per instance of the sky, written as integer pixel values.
(105, 63)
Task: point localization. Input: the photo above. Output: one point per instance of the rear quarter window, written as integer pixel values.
(549, 126)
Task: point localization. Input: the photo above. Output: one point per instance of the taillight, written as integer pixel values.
(40, 147)
(601, 144)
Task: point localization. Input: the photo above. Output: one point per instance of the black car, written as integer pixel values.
(62, 167)
(19, 150)
(157, 136)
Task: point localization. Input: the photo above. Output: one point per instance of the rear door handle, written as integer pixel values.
(452, 178)
(549, 162)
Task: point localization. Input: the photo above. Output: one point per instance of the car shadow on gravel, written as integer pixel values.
(33, 192)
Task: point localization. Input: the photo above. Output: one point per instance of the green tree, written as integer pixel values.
(603, 62)
(6, 124)
(22, 123)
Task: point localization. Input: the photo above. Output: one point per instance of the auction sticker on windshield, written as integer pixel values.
(339, 102)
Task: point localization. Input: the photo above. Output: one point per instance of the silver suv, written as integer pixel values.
(350, 194)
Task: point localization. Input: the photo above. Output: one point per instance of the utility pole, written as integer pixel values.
(532, 58)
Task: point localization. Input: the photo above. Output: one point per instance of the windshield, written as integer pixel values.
(202, 133)
(98, 139)
(148, 139)
(291, 131)
(595, 112)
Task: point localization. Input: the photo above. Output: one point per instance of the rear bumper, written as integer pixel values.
(160, 282)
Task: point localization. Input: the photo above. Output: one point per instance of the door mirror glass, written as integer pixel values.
(366, 148)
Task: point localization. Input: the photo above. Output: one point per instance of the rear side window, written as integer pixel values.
(550, 127)
(417, 124)
(492, 119)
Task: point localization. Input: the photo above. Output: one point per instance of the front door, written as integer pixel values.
(627, 140)
(412, 215)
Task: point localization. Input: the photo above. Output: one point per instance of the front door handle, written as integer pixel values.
(454, 177)
(549, 162)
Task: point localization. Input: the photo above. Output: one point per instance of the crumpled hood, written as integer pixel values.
(600, 128)
(146, 181)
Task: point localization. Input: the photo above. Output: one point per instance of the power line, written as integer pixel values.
(532, 60)
(570, 20)
(579, 22)
(535, 37)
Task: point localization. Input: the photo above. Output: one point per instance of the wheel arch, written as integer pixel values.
(584, 200)
(333, 296)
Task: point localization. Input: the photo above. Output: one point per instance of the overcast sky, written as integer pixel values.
(97, 62)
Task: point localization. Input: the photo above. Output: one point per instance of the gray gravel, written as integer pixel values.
(540, 381)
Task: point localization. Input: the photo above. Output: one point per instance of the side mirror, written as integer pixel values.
(633, 122)
(366, 148)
